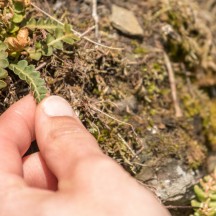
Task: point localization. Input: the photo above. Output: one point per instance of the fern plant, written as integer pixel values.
(3, 64)
(16, 43)
(55, 39)
(32, 77)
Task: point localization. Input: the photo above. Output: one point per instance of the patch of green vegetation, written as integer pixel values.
(138, 48)
(210, 125)
(186, 38)
(20, 42)
(205, 202)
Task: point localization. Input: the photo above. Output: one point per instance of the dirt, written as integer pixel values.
(125, 97)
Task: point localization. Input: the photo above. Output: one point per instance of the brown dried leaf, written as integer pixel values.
(18, 43)
(3, 3)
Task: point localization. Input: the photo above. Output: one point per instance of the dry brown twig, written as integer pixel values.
(74, 31)
(95, 17)
(87, 31)
(179, 207)
(113, 118)
(178, 111)
(43, 64)
(128, 146)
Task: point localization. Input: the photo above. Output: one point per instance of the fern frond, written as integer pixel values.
(3, 64)
(32, 77)
(3, 55)
(46, 24)
(60, 36)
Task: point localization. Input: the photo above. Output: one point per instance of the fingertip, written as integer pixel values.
(16, 134)
(56, 106)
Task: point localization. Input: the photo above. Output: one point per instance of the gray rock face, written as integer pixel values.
(172, 183)
(125, 21)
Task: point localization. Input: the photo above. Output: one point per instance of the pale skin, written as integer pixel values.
(70, 176)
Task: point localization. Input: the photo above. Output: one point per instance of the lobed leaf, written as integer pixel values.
(3, 56)
(46, 24)
(29, 74)
(61, 36)
(3, 64)
(57, 36)
(18, 18)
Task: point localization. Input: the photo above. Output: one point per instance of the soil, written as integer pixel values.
(125, 96)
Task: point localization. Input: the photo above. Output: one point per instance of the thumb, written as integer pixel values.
(61, 137)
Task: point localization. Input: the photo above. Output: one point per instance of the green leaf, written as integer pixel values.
(3, 46)
(60, 36)
(3, 84)
(18, 7)
(3, 55)
(14, 28)
(200, 194)
(4, 63)
(47, 51)
(46, 24)
(29, 74)
(67, 29)
(35, 55)
(56, 43)
(3, 73)
(17, 18)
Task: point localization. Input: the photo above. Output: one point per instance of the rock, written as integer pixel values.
(173, 183)
(125, 21)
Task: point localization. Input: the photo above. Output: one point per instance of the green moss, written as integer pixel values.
(139, 49)
(210, 125)
(192, 106)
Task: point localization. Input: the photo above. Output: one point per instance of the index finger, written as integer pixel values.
(16, 134)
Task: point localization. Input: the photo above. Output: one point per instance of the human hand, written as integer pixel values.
(70, 175)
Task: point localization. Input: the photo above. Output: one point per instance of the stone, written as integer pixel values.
(125, 21)
(173, 183)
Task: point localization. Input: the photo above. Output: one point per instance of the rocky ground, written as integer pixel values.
(148, 98)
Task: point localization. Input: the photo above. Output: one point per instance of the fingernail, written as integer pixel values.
(57, 106)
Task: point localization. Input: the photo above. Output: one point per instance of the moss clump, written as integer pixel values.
(211, 125)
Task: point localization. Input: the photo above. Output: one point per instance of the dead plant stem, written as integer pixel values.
(178, 111)
(87, 31)
(127, 145)
(41, 66)
(113, 118)
(179, 207)
(95, 17)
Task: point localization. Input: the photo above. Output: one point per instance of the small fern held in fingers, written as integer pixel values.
(32, 77)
